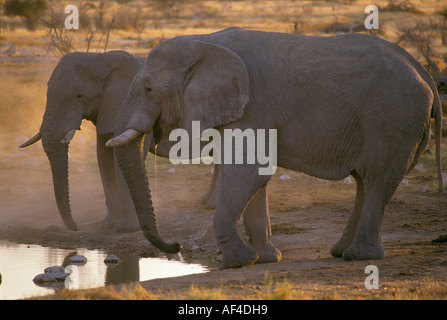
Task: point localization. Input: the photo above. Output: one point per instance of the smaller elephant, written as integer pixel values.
(92, 86)
(89, 86)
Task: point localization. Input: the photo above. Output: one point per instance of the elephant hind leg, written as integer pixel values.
(367, 241)
(351, 227)
(381, 167)
(257, 225)
(378, 188)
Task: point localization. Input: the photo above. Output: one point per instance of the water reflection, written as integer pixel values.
(127, 270)
(19, 264)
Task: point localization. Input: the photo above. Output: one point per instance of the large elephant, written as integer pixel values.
(344, 105)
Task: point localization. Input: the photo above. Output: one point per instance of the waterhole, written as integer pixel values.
(20, 263)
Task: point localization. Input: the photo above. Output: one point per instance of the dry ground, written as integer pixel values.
(307, 215)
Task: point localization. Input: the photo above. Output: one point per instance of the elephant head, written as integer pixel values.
(81, 86)
(204, 82)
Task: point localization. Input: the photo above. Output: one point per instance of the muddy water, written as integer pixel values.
(20, 263)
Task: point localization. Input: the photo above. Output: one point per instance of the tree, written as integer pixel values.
(443, 14)
(420, 35)
(29, 10)
(1, 12)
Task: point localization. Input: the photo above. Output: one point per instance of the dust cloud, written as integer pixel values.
(26, 190)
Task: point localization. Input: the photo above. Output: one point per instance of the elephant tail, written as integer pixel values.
(437, 115)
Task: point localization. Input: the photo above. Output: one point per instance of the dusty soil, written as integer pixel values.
(307, 215)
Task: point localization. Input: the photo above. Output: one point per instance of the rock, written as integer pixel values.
(419, 168)
(58, 272)
(78, 259)
(404, 181)
(111, 259)
(285, 177)
(172, 170)
(10, 51)
(347, 180)
(44, 277)
(441, 239)
(54, 269)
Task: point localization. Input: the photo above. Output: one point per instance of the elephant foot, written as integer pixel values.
(238, 256)
(211, 204)
(340, 247)
(210, 201)
(128, 223)
(363, 251)
(270, 254)
(109, 221)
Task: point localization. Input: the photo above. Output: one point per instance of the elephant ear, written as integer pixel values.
(119, 70)
(216, 86)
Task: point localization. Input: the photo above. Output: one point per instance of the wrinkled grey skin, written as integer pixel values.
(92, 86)
(344, 105)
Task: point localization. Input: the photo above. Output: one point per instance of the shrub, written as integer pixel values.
(29, 10)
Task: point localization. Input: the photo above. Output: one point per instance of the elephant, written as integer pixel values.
(351, 104)
(92, 86)
(88, 86)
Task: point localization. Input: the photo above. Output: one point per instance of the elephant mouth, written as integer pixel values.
(157, 131)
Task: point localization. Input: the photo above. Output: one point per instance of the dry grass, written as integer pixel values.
(425, 289)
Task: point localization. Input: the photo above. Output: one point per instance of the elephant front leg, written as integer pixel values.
(257, 225)
(210, 198)
(235, 252)
(128, 220)
(108, 178)
(239, 183)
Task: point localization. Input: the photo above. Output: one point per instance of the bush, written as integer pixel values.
(29, 10)
(401, 6)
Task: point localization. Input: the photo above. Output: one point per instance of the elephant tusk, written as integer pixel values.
(31, 141)
(123, 138)
(70, 134)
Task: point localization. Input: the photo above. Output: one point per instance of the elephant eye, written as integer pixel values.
(148, 89)
(79, 95)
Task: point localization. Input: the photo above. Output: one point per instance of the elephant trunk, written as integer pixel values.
(130, 159)
(57, 154)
